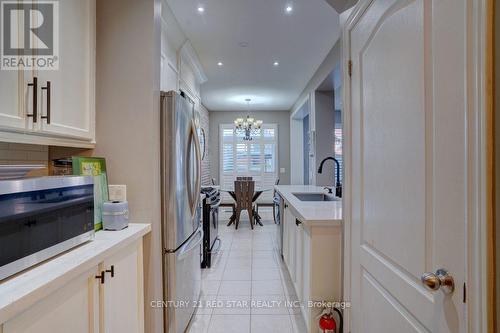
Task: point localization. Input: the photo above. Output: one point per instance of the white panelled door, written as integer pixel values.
(408, 173)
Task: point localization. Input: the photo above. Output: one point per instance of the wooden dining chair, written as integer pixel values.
(244, 191)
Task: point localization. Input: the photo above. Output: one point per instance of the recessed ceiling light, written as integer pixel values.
(288, 8)
(243, 44)
(220, 64)
(201, 9)
(276, 64)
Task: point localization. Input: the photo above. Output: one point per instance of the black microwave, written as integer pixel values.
(43, 217)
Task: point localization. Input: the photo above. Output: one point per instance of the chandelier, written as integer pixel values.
(248, 127)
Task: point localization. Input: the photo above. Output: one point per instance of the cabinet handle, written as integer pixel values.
(101, 277)
(112, 271)
(34, 84)
(286, 206)
(297, 222)
(47, 87)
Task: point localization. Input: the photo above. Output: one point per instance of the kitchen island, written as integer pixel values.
(312, 243)
(311, 212)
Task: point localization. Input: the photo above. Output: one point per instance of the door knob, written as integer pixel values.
(440, 280)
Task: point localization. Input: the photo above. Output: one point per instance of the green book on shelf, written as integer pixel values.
(94, 166)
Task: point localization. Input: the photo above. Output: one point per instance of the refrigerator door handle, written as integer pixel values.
(190, 245)
(194, 196)
(198, 163)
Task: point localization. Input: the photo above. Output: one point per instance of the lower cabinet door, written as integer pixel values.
(291, 246)
(286, 250)
(73, 308)
(299, 261)
(122, 302)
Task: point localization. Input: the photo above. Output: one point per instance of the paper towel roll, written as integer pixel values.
(115, 215)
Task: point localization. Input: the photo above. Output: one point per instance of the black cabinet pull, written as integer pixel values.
(34, 84)
(47, 87)
(297, 222)
(112, 271)
(101, 277)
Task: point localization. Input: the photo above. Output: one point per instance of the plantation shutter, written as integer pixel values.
(257, 158)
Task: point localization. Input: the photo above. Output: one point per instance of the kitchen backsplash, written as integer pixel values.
(16, 153)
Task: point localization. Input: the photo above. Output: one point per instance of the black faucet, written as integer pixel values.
(338, 185)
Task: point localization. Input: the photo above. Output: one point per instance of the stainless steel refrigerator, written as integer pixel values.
(182, 231)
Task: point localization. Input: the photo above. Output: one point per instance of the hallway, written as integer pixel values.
(247, 289)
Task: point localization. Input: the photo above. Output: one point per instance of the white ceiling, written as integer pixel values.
(299, 41)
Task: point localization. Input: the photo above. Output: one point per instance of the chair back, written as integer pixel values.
(277, 182)
(213, 181)
(244, 191)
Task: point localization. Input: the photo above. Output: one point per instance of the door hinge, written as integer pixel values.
(464, 299)
(349, 67)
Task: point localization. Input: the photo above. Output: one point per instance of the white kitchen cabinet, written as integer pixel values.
(64, 112)
(289, 240)
(122, 292)
(299, 258)
(89, 303)
(16, 98)
(285, 234)
(71, 111)
(11, 107)
(313, 257)
(73, 308)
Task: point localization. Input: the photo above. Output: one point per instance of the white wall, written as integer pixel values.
(332, 61)
(297, 153)
(270, 117)
(327, 66)
(127, 107)
(325, 138)
(181, 70)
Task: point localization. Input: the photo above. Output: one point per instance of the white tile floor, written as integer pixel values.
(246, 290)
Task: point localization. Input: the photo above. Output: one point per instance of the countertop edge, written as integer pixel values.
(316, 223)
(25, 289)
(308, 222)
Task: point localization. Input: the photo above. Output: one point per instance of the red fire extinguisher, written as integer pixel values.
(327, 323)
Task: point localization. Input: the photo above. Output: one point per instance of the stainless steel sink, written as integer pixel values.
(316, 197)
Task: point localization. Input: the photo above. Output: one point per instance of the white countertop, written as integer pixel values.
(311, 213)
(22, 290)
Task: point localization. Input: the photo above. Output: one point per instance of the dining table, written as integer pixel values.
(256, 194)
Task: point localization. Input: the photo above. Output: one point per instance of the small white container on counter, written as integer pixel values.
(115, 215)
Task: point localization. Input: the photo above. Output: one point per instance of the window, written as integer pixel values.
(256, 158)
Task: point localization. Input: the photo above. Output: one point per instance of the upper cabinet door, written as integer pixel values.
(67, 106)
(11, 110)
